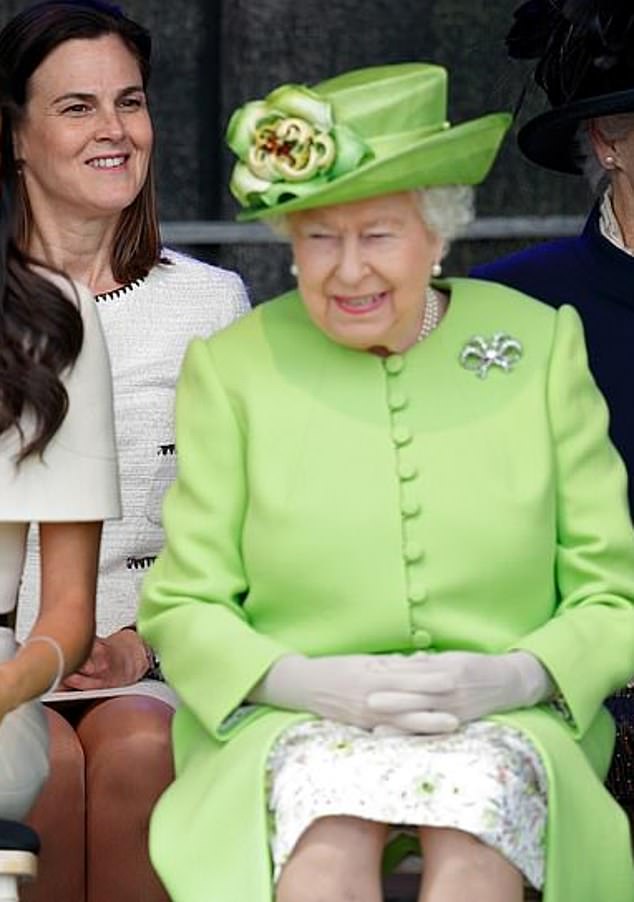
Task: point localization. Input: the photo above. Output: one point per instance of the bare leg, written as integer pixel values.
(58, 816)
(127, 746)
(457, 866)
(338, 859)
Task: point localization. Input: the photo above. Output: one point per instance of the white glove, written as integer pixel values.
(338, 687)
(479, 684)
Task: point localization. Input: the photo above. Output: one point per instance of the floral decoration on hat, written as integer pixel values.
(288, 145)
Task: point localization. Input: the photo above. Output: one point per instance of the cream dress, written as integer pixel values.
(75, 480)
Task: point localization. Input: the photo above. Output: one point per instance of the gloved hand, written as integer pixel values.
(338, 687)
(479, 684)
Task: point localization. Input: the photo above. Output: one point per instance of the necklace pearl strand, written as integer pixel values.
(431, 314)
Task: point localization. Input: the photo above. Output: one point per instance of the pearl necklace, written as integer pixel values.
(431, 315)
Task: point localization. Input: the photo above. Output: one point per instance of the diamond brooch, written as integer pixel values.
(480, 354)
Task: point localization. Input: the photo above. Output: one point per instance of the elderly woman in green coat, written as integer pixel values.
(399, 570)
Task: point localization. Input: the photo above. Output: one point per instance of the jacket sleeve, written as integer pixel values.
(76, 477)
(191, 608)
(588, 646)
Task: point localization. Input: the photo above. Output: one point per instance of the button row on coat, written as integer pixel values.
(396, 400)
(407, 469)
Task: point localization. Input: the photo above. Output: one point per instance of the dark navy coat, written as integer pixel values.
(597, 278)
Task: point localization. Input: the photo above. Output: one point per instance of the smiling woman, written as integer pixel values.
(77, 153)
(360, 269)
(85, 154)
(397, 527)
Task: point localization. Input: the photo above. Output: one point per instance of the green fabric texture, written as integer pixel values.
(398, 113)
(330, 502)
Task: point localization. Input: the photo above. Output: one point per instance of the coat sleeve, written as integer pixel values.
(588, 646)
(76, 478)
(191, 608)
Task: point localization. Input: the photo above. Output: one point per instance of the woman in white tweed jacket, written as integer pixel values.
(82, 140)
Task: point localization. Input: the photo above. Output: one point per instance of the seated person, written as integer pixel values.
(77, 73)
(397, 532)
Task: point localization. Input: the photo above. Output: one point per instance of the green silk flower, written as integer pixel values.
(288, 145)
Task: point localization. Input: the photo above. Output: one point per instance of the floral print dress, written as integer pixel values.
(486, 779)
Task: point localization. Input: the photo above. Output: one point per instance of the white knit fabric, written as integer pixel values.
(147, 328)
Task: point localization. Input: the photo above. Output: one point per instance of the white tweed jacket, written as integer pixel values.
(147, 326)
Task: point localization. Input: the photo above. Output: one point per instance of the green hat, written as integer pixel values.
(365, 133)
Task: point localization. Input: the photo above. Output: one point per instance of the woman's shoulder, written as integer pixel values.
(487, 312)
(502, 308)
(513, 300)
(179, 268)
(268, 322)
(488, 309)
(76, 477)
(208, 297)
(255, 344)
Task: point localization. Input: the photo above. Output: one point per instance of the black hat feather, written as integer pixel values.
(585, 64)
(583, 47)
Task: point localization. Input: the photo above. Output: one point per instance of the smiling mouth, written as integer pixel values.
(360, 305)
(113, 162)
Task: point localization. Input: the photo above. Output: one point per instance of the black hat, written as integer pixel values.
(585, 53)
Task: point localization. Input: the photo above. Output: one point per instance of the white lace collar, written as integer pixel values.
(609, 225)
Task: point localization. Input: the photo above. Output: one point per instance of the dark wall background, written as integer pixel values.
(212, 55)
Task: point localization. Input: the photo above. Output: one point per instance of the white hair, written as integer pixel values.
(447, 210)
(613, 128)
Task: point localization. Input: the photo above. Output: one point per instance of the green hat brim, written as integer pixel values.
(459, 155)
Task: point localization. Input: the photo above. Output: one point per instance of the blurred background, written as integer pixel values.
(213, 55)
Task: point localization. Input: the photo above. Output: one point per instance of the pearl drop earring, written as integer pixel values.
(293, 270)
(609, 161)
(436, 270)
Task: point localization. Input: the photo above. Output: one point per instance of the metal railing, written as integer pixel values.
(486, 228)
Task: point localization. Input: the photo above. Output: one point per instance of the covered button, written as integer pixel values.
(394, 364)
(397, 400)
(417, 593)
(410, 507)
(413, 551)
(421, 638)
(402, 435)
(407, 469)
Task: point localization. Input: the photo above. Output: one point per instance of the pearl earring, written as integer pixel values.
(609, 161)
(436, 270)
(293, 270)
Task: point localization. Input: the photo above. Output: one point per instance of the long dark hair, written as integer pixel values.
(41, 330)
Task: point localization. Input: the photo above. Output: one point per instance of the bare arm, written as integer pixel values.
(69, 556)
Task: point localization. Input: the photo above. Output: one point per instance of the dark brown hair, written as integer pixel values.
(41, 330)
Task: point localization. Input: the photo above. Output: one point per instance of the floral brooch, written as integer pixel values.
(289, 145)
(480, 354)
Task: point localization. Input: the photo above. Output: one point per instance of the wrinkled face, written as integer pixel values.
(363, 268)
(86, 136)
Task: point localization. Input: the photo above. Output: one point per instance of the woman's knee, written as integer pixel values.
(462, 855)
(127, 744)
(336, 860)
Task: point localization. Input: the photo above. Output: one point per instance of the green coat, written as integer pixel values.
(330, 501)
